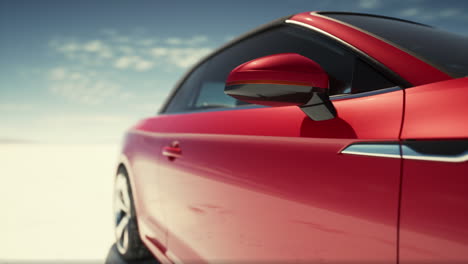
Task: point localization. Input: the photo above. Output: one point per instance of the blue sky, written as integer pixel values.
(84, 71)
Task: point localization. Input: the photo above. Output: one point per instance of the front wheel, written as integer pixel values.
(127, 238)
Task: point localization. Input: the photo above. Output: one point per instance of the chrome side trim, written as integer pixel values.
(371, 154)
(364, 94)
(384, 149)
(392, 150)
(409, 153)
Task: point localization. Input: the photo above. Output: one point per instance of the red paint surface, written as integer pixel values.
(269, 184)
(434, 212)
(437, 111)
(285, 68)
(408, 67)
(434, 209)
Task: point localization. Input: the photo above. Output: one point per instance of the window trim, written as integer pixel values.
(376, 65)
(337, 97)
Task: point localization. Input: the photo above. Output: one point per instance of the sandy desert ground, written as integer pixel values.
(56, 202)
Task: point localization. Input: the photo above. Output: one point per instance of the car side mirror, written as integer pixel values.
(283, 80)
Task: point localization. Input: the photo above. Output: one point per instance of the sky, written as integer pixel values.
(85, 71)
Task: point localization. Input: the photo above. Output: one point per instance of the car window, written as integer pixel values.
(186, 93)
(347, 73)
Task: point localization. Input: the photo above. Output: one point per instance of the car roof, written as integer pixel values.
(325, 13)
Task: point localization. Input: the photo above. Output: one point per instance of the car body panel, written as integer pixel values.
(139, 159)
(216, 189)
(434, 208)
(437, 111)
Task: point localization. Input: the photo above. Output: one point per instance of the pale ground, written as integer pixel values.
(56, 202)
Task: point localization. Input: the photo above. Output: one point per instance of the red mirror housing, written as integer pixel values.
(282, 80)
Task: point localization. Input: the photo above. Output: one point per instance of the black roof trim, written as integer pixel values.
(325, 13)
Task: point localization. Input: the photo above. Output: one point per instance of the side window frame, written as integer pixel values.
(376, 66)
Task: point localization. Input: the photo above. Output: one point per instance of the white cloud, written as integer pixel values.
(196, 40)
(157, 52)
(57, 74)
(409, 12)
(180, 57)
(124, 62)
(93, 46)
(147, 42)
(86, 92)
(174, 41)
(83, 87)
(369, 4)
(98, 47)
(91, 52)
(184, 58)
(68, 47)
(140, 54)
(133, 62)
(143, 65)
(76, 76)
(192, 41)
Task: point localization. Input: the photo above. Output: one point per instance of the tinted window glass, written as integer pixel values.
(445, 50)
(185, 95)
(337, 62)
(211, 97)
(366, 79)
(207, 91)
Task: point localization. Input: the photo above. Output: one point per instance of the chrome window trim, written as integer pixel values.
(365, 94)
(336, 97)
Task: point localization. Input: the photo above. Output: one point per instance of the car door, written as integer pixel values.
(434, 208)
(247, 183)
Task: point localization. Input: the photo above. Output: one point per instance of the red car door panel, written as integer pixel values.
(143, 151)
(434, 211)
(268, 184)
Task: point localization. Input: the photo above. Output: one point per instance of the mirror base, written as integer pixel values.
(319, 108)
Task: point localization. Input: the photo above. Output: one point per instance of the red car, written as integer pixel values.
(322, 137)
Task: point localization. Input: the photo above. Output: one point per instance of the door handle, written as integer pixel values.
(173, 151)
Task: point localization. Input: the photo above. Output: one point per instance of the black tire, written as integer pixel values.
(127, 237)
